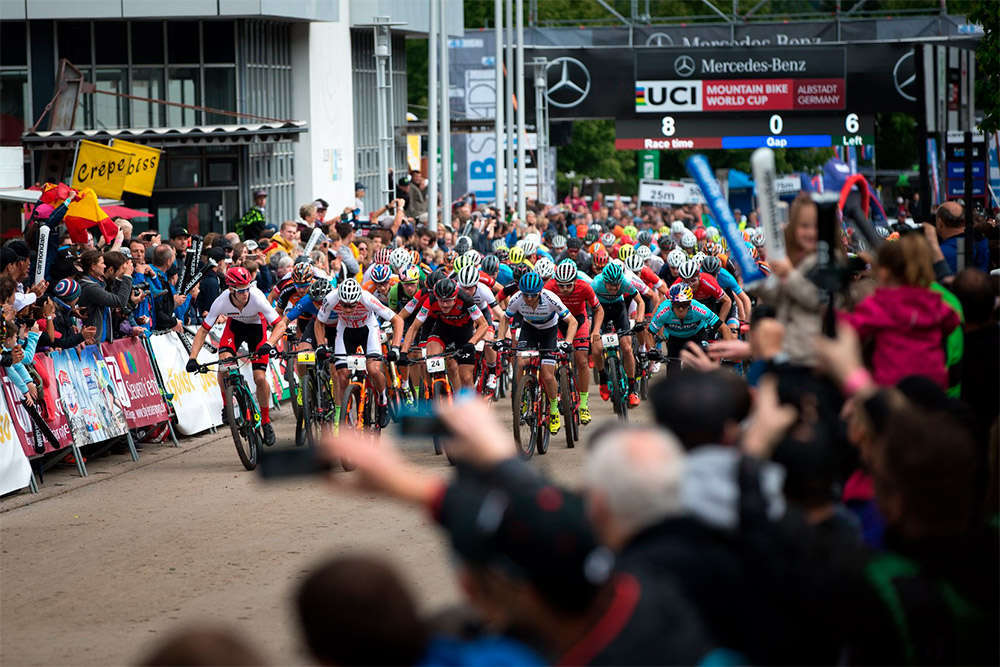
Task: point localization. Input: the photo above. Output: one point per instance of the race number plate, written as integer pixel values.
(308, 357)
(480, 346)
(435, 365)
(609, 340)
(356, 363)
(527, 353)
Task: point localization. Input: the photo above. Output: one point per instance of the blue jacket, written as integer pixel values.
(980, 253)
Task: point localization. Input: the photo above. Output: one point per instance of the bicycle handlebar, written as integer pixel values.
(204, 368)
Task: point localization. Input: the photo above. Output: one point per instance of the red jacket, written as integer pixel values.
(909, 326)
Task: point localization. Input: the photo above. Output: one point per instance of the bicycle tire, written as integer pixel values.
(619, 397)
(309, 424)
(541, 432)
(522, 401)
(240, 424)
(438, 448)
(292, 379)
(566, 405)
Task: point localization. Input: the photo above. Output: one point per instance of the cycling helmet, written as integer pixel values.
(677, 228)
(533, 237)
(688, 270)
(446, 288)
(666, 244)
(600, 260)
(415, 256)
(714, 234)
(645, 237)
(436, 276)
(699, 257)
(490, 265)
(302, 274)
(573, 242)
(457, 265)
(681, 293)
(589, 238)
(566, 272)
(381, 273)
(608, 239)
(528, 247)
(625, 252)
(689, 240)
(519, 271)
(545, 268)
(516, 255)
(463, 245)
(410, 275)
(350, 291)
(472, 257)
(499, 243)
(381, 256)
(558, 242)
(675, 258)
(757, 237)
(613, 273)
(630, 231)
(237, 277)
(468, 276)
(399, 259)
(644, 251)
(530, 283)
(711, 264)
(711, 248)
(635, 262)
(319, 289)
(502, 253)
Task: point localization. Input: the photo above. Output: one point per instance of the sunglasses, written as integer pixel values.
(241, 290)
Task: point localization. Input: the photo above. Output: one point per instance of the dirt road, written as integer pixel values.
(94, 570)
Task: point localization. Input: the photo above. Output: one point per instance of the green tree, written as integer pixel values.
(987, 14)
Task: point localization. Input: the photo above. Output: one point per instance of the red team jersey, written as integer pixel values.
(708, 289)
(578, 300)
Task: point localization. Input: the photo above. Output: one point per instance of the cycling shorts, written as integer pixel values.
(445, 335)
(647, 300)
(615, 317)
(543, 340)
(675, 344)
(582, 339)
(307, 332)
(349, 339)
(236, 333)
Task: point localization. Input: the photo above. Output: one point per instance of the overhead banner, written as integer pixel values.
(102, 168)
(15, 471)
(134, 382)
(669, 193)
(141, 174)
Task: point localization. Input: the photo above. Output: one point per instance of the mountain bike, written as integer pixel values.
(481, 377)
(316, 394)
(438, 385)
(617, 380)
(569, 397)
(529, 405)
(359, 407)
(241, 409)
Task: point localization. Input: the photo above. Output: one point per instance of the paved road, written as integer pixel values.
(95, 570)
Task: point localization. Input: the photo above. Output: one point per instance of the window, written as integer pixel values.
(182, 42)
(221, 171)
(147, 82)
(219, 39)
(13, 43)
(110, 42)
(147, 42)
(109, 111)
(74, 41)
(220, 93)
(184, 86)
(184, 172)
(13, 107)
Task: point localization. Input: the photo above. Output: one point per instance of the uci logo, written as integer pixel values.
(659, 96)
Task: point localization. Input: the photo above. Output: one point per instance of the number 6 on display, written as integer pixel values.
(851, 123)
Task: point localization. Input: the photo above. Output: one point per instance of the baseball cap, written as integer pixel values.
(358, 185)
(223, 243)
(20, 248)
(321, 204)
(259, 193)
(250, 244)
(405, 179)
(178, 230)
(218, 254)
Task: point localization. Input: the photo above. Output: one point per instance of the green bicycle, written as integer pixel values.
(241, 409)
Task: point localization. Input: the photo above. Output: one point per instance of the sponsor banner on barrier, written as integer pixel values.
(101, 391)
(54, 414)
(15, 471)
(196, 398)
(134, 382)
(21, 422)
(83, 419)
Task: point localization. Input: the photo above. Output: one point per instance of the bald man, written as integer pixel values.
(950, 223)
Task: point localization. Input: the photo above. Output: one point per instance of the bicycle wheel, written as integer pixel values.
(619, 395)
(522, 402)
(431, 395)
(541, 433)
(351, 415)
(308, 421)
(295, 392)
(240, 415)
(566, 405)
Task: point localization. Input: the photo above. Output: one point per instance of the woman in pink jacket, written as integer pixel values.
(906, 321)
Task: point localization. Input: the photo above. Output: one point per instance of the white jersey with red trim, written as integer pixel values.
(256, 309)
(353, 315)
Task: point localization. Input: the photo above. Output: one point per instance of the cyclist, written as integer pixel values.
(286, 282)
(303, 313)
(612, 289)
(358, 313)
(658, 291)
(574, 251)
(470, 285)
(248, 316)
(400, 295)
(683, 319)
(380, 282)
(381, 258)
(741, 311)
(689, 243)
(541, 311)
(505, 273)
(516, 256)
(578, 297)
(704, 287)
(456, 320)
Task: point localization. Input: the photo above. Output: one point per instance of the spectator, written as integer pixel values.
(321, 208)
(253, 224)
(359, 198)
(701, 408)
(417, 202)
(285, 240)
(165, 302)
(905, 319)
(347, 251)
(307, 221)
(95, 297)
(204, 646)
(66, 321)
(212, 280)
(950, 223)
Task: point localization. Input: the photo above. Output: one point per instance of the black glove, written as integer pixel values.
(564, 346)
(192, 366)
(639, 326)
(322, 353)
(393, 354)
(264, 349)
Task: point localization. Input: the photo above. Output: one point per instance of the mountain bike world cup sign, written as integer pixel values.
(678, 96)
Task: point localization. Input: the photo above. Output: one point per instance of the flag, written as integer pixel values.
(54, 194)
(85, 213)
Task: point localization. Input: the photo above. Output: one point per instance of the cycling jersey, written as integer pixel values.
(727, 281)
(304, 308)
(398, 299)
(256, 310)
(626, 289)
(576, 301)
(698, 317)
(483, 297)
(505, 275)
(544, 314)
(649, 277)
(487, 280)
(462, 312)
(707, 289)
(287, 298)
(355, 315)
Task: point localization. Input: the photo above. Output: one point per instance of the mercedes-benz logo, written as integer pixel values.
(572, 85)
(684, 65)
(659, 39)
(904, 77)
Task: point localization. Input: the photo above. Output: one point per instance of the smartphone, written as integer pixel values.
(422, 426)
(285, 463)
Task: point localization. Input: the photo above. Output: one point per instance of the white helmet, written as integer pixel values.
(689, 240)
(566, 271)
(349, 291)
(635, 262)
(468, 276)
(675, 258)
(472, 258)
(534, 237)
(545, 268)
(698, 257)
(757, 237)
(559, 241)
(528, 246)
(400, 259)
(689, 269)
(644, 251)
(677, 227)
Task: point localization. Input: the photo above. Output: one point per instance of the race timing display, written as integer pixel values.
(745, 130)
